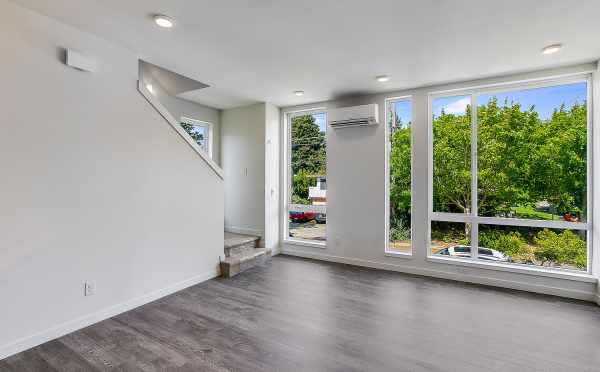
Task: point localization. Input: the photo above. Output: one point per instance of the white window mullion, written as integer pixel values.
(474, 193)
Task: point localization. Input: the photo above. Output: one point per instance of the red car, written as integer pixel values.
(302, 216)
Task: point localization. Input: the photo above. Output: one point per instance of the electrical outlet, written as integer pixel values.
(89, 289)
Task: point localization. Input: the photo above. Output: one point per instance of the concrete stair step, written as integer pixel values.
(236, 244)
(238, 263)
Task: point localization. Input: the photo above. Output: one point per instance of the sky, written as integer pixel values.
(320, 120)
(545, 99)
(403, 111)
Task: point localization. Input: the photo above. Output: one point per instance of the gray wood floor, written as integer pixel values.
(302, 315)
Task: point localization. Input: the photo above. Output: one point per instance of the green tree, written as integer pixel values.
(521, 159)
(452, 162)
(308, 156)
(506, 141)
(308, 146)
(189, 128)
(400, 178)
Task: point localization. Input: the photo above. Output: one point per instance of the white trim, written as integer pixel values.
(517, 268)
(388, 151)
(276, 250)
(108, 312)
(398, 255)
(245, 231)
(538, 82)
(590, 169)
(305, 243)
(470, 278)
(468, 218)
(175, 124)
(474, 175)
(595, 198)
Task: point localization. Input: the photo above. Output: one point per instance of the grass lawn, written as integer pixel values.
(531, 213)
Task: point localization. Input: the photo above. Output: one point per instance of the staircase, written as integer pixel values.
(242, 253)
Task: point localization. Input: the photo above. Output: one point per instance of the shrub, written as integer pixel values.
(509, 243)
(302, 181)
(564, 248)
(399, 230)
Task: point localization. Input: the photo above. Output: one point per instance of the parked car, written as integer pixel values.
(302, 216)
(465, 251)
(321, 218)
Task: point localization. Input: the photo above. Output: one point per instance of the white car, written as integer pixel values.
(465, 251)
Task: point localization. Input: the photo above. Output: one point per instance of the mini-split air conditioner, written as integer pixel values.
(354, 116)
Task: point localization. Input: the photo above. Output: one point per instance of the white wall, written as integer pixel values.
(356, 176)
(596, 173)
(243, 163)
(272, 166)
(179, 107)
(95, 187)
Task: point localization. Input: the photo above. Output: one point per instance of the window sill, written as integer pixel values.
(398, 254)
(568, 275)
(305, 243)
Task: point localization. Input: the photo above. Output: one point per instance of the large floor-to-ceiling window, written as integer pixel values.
(306, 212)
(510, 174)
(399, 152)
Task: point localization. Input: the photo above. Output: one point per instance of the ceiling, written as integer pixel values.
(172, 82)
(263, 50)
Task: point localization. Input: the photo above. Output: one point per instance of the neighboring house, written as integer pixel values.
(318, 194)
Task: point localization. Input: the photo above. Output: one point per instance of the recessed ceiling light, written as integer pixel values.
(150, 88)
(164, 21)
(382, 78)
(299, 93)
(550, 49)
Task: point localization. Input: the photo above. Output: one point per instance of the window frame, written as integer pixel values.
(473, 218)
(388, 149)
(208, 129)
(287, 176)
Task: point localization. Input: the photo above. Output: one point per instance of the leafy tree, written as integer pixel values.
(521, 159)
(308, 146)
(452, 162)
(400, 180)
(308, 156)
(189, 128)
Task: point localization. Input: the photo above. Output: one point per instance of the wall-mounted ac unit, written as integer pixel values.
(353, 116)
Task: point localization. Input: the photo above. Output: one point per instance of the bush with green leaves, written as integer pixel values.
(509, 243)
(564, 248)
(300, 184)
(399, 229)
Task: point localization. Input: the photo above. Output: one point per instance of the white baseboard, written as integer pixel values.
(87, 320)
(245, 230)
(469, 278)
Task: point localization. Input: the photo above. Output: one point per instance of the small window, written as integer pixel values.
(200, 132)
